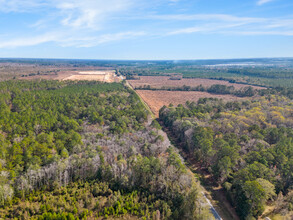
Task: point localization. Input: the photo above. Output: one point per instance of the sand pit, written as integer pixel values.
(97, 72)
(108, 76)
(86, 77)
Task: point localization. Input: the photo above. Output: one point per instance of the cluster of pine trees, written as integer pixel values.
(78, 150)
(247, 146)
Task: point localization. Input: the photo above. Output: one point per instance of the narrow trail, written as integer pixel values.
(219, 206)
(216, 198)
(141, 99)
(213, 210)
(204, 191)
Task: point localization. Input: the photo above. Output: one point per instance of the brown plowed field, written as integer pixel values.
(160, 81)
(157, 99)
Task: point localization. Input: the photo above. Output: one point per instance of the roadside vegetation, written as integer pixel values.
(91, 150)
(78, 150)
(246, 146)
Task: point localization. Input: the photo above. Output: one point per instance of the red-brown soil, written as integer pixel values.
(160, 81)
(157, 99)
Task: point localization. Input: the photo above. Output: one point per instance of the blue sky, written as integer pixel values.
(146, 29)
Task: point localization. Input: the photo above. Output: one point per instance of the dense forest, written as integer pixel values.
(90, 150)
(247, 147)
(78, 150)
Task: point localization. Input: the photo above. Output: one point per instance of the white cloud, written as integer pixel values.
(262, 2)
(259, 33)
(72, 22)
(90, 13)
(188, 30)
(203, 29)
(228, 24)
(205, 24)
(73, 13)
(67, 40)
(88, 23)
(102, 39)
(120, 36)
(21, 5)
(28, 41)
(280, 23)
(206, 17)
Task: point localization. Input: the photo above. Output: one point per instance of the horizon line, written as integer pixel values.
(96, 59)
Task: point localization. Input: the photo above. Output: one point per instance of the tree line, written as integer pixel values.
(213, 89)
(247, 147)
(78, 150)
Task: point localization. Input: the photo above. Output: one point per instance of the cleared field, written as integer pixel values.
(97, 72)
(160, 81)
(34, 71)
(157, 99)
(86, 77)
(103, 76)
